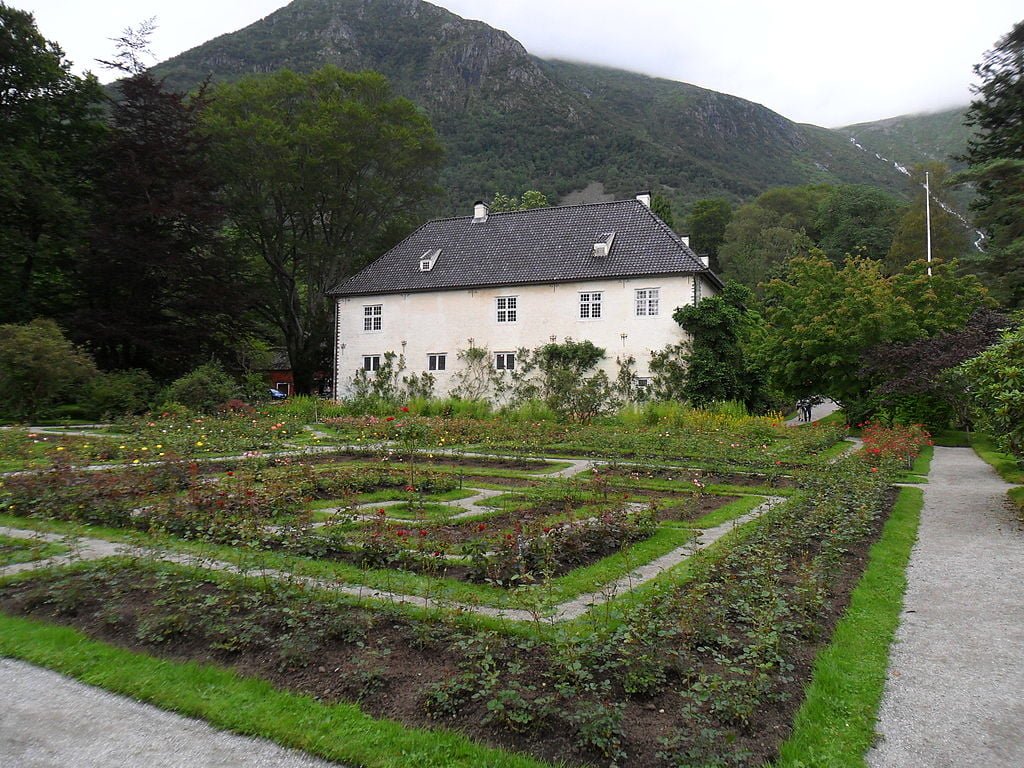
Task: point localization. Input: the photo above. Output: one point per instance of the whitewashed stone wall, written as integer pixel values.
(443, 322)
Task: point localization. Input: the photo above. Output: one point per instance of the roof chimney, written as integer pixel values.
(645, 198)
(480, 211)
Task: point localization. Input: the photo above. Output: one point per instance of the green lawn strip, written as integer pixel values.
(593, 577)
(397, 494)
(398, 582)
(918, 473)
(1005, 465)
(836, 417)
(726, 512)
(838, 449)
(836, 723)
(597, 575)
(613, 612)
(339, 732)
(14, 550)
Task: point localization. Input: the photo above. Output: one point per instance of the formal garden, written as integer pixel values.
(650, 588)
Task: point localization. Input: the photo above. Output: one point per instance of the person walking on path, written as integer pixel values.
(954, 695)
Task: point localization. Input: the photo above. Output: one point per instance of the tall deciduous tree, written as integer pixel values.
(857, 220)
(706, 227)
(531, 198)
(321, 172)
(757, 242)
(821, 318)
(50, 126)
(996, 157)
(662, 208)
(948, 235)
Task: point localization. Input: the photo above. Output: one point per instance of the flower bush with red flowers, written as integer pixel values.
(898, 443)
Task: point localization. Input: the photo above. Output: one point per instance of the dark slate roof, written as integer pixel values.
(542, 245)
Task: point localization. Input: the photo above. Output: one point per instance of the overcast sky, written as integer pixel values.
(813, 61)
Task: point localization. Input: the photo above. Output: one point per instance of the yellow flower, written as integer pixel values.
(60, 447)
(199, 442)
(135, 461)
(159, 446)
(144, 448)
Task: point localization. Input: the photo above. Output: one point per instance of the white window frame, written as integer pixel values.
(371, 363)
(283, 387)
(437, 361)
(590, 305)
(506, 309)
(504, 361)
(647, 302)
(373, 318)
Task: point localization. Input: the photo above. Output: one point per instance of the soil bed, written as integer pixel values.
(707, 478)
(394, 666)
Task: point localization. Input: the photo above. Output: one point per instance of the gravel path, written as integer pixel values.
(51, 721)
(955, 692)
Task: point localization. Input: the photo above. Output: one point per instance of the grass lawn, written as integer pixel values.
(836, 724)
(1007, 466)
(340, 732)
(922, 465)
(16, 550)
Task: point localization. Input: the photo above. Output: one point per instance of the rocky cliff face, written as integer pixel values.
(512, 122)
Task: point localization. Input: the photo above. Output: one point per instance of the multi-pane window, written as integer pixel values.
(643, 387)
(646, 302)
(590, 305)
(371, 362)
(507, 307)
(505, 361)
(437, 362)
(372, 317)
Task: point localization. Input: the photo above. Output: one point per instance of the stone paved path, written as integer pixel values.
(955, 693)
(51, 721)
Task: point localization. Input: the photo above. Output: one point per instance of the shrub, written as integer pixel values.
(38, 366)
(898, 443)
(203, 390)
(996, 387)
(120, 393)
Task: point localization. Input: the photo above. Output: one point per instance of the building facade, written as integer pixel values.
(610, 273)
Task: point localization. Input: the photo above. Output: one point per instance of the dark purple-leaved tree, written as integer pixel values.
(161, 290)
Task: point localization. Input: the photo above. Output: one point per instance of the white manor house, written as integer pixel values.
(612, 273)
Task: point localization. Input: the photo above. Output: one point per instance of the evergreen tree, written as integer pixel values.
(996, 158)
(50, 127)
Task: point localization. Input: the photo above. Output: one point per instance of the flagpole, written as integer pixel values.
(928, 219)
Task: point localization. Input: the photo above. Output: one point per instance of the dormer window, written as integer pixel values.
(603, 246)
(428, 258)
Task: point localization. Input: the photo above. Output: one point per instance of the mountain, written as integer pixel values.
(909, 139)
(511, 121)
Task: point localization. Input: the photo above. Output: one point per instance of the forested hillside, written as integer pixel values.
(510, 121)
